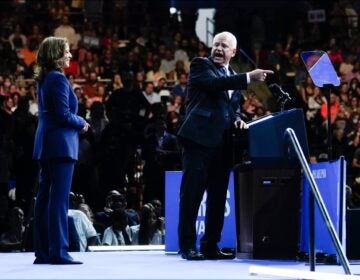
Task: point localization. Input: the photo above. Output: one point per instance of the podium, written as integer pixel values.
(267, 145)
(268, 189)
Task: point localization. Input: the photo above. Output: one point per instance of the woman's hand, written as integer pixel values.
(85, 128)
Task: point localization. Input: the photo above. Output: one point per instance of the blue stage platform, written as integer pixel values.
(158, 265)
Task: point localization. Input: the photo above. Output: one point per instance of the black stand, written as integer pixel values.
(327, 88)
(324, 76)
(311, 232)
(312, 256)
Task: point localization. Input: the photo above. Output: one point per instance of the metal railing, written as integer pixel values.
(289, 132)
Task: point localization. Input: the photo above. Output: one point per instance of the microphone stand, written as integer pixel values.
(282, 96)
(282, 105)
(282, 100)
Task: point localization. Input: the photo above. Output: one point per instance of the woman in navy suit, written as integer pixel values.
(56, 149)
(212, 112)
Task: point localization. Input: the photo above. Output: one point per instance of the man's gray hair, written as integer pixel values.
(232, 38)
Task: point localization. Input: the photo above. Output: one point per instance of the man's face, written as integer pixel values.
(161, 82)
(93, 77)
(183, 79)
(333, 98)
(65, 20)
(222, 50)
(118, 202)
(149, 89)
(120, 224)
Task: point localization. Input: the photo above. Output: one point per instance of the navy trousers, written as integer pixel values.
(51, 237)
(203, 169)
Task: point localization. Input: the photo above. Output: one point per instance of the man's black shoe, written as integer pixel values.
(41, 261)
(192, 255)
(218, 255)
(65, 261)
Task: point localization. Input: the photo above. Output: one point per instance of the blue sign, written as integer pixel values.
(330, 179)
(172, 189)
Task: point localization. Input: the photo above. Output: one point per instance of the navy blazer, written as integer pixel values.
(57, 134)
(209, 109)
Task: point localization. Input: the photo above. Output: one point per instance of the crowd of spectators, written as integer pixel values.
(129, 71)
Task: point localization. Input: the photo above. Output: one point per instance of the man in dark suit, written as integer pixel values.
(213, 111)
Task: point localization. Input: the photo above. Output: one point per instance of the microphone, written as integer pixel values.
(279, 92)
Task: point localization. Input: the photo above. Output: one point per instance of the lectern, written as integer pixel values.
(268, 189)
(267, 146)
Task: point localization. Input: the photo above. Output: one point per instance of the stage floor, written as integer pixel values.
(157, 265)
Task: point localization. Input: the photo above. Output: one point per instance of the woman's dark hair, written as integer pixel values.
(97, 110)
(145, 231)
(51, 50)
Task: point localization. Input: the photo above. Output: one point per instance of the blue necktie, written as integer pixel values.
(223, 71)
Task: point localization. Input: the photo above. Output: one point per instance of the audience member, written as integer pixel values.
(161, 152)
(24, 167)
(181, 88)
(334, 108)
(66, 30)
(177, 72)
(91, 86)
(354, 73)
(162, 89)
(114, 201)
(89, 66)
(84, 228)
(130, 66)
(155, 73)
(28, 56)
(116, 83)
(150, 95)
(150, 231)
(167, 63)
(119, 233)
(11, 240)
(17, 39)
(347, 65)
(99, 97)
(35, 34)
